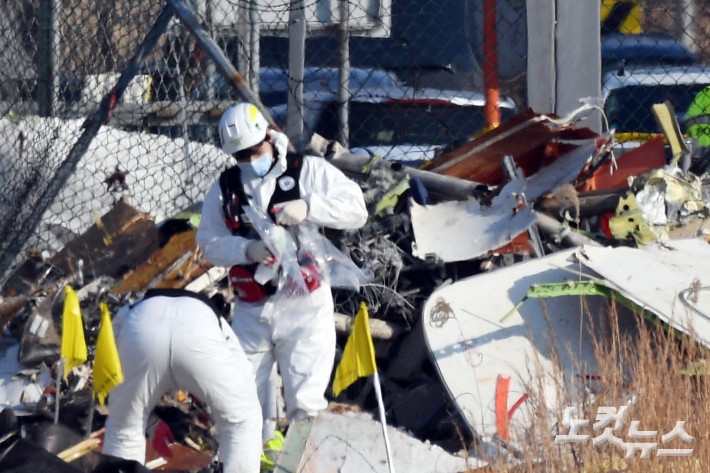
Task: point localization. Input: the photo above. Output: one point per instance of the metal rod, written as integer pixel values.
(90, 417)
(57, 387)
(512, 172)
(189, 19)
(254, 52)
(449, 186)
(383, 421)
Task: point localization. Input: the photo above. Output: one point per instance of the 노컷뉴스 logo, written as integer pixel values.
(610, 420)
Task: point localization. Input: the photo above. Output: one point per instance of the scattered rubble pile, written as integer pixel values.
(523, 198)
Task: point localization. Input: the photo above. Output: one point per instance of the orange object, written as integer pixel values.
(490, 64)
(520, 245)
(181, 396)
(650, 155)
(502, 418)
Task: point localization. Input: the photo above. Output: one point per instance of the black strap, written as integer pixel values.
(173, 292)
(287, 184)
(233, 194)
(233, 197)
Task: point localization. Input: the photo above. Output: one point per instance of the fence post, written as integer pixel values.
(47, 45)
(541, 72)
(686, 25)
(296, 60)
(254, 52)
(344, 74)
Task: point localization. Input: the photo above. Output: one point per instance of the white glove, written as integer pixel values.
(280, 142)
(257, 252)
(292, 212)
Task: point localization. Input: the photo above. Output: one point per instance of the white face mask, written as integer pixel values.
(259, 166)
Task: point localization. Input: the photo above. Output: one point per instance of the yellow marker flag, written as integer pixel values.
(359, 354)
(107, 365)
(73, 350)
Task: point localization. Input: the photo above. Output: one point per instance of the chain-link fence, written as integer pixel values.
(418, 68)
(661, 57)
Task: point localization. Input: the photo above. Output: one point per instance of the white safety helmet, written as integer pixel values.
(241, 126)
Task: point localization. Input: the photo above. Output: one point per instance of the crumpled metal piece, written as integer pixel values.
(630, 222)
(667, 196)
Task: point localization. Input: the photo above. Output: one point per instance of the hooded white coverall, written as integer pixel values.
(300, 339)
(167, 343)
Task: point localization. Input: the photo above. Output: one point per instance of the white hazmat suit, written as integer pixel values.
(300, 338)
(167, 343)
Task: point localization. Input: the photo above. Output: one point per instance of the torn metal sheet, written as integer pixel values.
(629, 223)
(463, 230)
(670, 279)
(173, 265)
(18, 392)
(527, 137)
(458, 231)
(615, 175)
(564, 170)
(40, 341)
(669, 196)
(118, 241)
(497, 360)
(353, 442)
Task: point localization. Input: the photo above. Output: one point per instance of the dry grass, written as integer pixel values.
(649, 366)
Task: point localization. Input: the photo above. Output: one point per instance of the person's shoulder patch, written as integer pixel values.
(286, 183)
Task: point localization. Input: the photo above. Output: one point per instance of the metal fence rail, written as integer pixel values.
(89, 89)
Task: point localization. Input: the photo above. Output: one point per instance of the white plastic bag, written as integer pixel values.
(336, 268)
(279, 241)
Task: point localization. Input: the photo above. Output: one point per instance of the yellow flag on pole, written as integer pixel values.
(359, 354)
(107, 365)
(73, 350)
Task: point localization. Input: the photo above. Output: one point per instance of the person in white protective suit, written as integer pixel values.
(176, 339)
(290, 189)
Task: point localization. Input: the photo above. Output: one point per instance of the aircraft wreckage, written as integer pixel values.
(490, 270)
